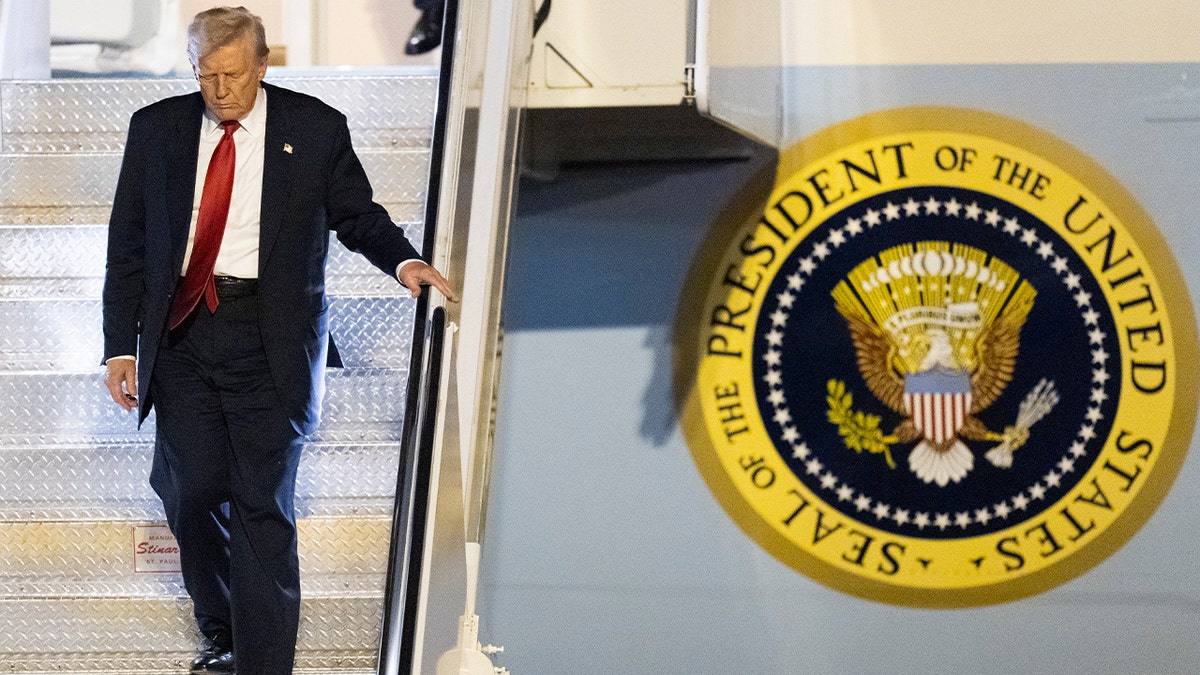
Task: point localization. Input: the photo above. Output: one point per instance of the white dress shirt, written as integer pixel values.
(238, 255)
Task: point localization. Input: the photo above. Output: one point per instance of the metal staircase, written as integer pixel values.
(73, 467)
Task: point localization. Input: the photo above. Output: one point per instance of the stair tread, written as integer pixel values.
(164, 625)
(92, 114)
(78, 188)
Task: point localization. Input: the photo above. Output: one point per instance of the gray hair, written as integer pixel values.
(214, 28)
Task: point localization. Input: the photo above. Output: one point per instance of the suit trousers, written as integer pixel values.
(225, 465)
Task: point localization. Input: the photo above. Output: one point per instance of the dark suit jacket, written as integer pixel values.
(317, 187)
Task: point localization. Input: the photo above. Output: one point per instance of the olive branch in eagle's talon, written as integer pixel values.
(859, 431)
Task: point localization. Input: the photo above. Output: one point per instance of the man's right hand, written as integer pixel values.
(121, 381)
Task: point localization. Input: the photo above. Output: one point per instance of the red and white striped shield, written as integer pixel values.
(938, 416)
(938, 400)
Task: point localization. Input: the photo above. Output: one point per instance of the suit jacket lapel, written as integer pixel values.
(183, 146)
(277, 174)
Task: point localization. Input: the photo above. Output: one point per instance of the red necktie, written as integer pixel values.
(210, 226)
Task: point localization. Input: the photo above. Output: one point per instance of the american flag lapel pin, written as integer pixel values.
(287, 147)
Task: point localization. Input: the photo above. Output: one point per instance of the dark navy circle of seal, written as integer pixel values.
(1050, 405)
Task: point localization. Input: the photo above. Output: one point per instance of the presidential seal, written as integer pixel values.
(943, 364)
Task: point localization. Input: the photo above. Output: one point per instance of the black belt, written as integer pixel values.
(235, 287)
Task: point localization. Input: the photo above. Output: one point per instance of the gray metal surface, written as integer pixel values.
(107, 481)
(56, 334)
(48, 189)
(74, 467)
(91, 558)
(135, 635)
(64, 251)
(66, 263)
(69, 407)
(92, 115)
(35, 253)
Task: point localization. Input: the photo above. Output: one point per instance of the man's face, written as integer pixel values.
(229, 79)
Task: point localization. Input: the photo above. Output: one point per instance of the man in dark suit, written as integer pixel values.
(215, 310)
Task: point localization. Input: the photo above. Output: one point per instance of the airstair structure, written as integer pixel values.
(392, 486)
(75, 595)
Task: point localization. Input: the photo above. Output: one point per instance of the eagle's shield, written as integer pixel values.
(938, 402)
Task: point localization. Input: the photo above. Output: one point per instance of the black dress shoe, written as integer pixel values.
(216, 657)
(426, 34)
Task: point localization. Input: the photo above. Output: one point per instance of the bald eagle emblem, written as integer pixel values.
(936, 328)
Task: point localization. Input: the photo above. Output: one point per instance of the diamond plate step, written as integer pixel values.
(338, 556)
(90, 482)
(64, 335)
(51, 256)
(92, 115)
(66, 251)
(83, 634)
(361, 406)
(53, 189)
(175, 664)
